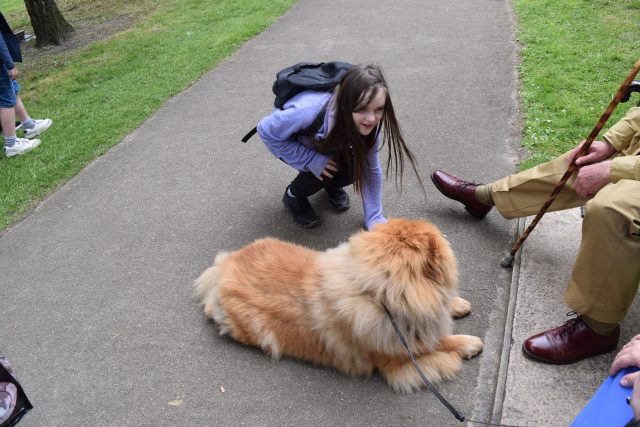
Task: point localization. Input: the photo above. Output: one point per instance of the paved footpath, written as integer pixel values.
(96, 300)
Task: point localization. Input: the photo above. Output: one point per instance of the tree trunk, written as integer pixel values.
(48, 24)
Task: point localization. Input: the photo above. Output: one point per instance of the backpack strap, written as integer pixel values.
(249, 134)
(309, 130)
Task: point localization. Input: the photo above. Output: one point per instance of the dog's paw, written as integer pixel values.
(469, 346)
(459, 307)
(209, 309)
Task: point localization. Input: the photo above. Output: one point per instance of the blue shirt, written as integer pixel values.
(278, 132)
(9, 46)
(5, 56)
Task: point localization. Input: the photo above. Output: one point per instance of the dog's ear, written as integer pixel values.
(439, 262)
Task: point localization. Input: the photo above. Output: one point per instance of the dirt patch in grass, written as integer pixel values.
(92, 20)
(86, 32)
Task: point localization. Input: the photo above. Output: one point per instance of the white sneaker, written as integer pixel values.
(41, 126)
(21, 146)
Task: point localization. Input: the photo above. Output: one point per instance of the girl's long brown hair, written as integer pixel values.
(357, 89)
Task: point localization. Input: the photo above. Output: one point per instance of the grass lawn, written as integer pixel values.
(575, 54)
(123, 62)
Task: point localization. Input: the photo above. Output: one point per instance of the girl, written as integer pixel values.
(342, 149)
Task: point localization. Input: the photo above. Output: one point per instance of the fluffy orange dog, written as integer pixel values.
(326, 307)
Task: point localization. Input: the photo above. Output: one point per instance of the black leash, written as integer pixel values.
(427, 383)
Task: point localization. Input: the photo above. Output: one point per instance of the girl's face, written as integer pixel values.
(367, 117)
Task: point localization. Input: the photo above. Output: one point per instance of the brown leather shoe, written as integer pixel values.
(461, 191)
(569, 343)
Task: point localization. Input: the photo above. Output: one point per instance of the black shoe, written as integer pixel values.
(338, 198)
(301, 210)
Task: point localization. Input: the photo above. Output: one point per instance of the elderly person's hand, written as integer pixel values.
(594, 168)
(628, 357)
(598, 151)
(591, 178)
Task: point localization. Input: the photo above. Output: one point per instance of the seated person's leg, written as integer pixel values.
(606, 274)
(517, 195)
(604, 281)
(524, 193)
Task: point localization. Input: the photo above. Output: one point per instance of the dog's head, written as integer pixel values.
(408, 263)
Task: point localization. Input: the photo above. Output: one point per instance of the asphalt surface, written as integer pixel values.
(98, 316)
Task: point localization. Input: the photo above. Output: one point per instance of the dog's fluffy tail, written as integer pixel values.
(206, 289)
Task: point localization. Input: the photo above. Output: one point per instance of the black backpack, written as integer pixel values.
(320, 76)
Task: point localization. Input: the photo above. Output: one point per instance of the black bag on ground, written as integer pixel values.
(320, 76)
(22, 404)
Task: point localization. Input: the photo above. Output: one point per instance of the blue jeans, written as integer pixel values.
(8, 89)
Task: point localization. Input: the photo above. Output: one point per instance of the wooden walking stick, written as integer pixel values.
(507, 260)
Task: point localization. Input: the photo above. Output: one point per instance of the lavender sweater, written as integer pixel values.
(277, 132)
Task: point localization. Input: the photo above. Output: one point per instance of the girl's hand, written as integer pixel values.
(329, 170)
(13, 73)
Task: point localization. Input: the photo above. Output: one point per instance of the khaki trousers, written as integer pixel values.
(606, 273)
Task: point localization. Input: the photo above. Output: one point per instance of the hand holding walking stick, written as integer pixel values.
(507, 260)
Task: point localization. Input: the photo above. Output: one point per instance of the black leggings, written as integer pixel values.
(307, 184)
